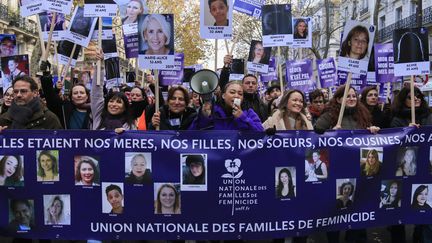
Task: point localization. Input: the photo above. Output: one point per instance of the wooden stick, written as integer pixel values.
(156, 73)
(142, 79)
(330, 92)
(45, 57)
(42, 42)
(216, 54)
(344, 98)
(136, 68)
(280, 72)
(69, 61)
(99, 62)
(412, 99)
(56, 56)
(226, 46)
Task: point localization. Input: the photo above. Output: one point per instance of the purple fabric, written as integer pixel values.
(384, 60)
(327, 72)
(299, 74)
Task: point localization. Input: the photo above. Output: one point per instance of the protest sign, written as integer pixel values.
(13, 67)
(259, 57)
(175, 76)
(384, 63)
(237, 69)
(249, 7)
(59, 25)
(302, 36)
(271, 75)
(216, 19)
(31, 7)
(64, 51)
(60, 6)
(276, 25)
(327, 72)
(112, 69)
(81, 28)
(107, 32)
(100, 8)
(8, 45)
(299, 75)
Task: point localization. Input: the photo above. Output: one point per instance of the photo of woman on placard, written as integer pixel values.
(57, 209)
(46, 18)
(411, 45)
(300, 29)
(420, 197)
(285, 184)
(370, 164)
(133, 9)
(315, 168)
(391, 194)
(219, 11)
(80, 24)
(11, 170)
(156, 35)
(355, 45)
(140, 172)
(407, 158)
(47, 165)
(167, 199)
(345, 193)
(259, 54)
(87, 172)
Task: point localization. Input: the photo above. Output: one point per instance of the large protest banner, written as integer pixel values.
(240, 194)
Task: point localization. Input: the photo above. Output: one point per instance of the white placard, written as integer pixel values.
(107, 32)
(59, 6)
(81, 28)
(216, 25)
(277, 25)
(236, 76)
(302, 32)
(65, 59)
(160, 62)
(130, 29)
(413, 68)
(257, 67)
(100, 10)
(59, 26)
(31, 7)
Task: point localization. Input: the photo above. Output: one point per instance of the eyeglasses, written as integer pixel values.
(22, 91)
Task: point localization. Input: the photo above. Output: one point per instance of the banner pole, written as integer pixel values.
(99, 62)
(42, 42)
(412, 99)
(47, 50)
(137, 69)
(280, 72)
(142, 79)
(342, 109)
(69, 61)
(156, 73)
(216, 54)
(227, 48)
(56, 55)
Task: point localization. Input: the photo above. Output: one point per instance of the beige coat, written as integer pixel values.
(277, 121)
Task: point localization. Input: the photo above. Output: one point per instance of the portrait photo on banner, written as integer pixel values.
(8, 45)
(421, 198)
(317, 163)
(57, 209)
(302, 32)
(21, 215)
(391, 194)
(47, 165)
(258, 53)
(406, 161)
(87, 171)
(131, 9)
(112, 197)
(12, 67)
(217, 12)
(167, 198)
(13, 170)
(345, 191)
(193, 171)
(138, 166)
(156, 34)
(285, 182)
(371, 160)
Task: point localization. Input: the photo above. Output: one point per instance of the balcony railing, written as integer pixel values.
(364, 11)
(408, 22)
(15, 20)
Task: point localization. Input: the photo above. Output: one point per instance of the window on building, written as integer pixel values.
(382, 23)
(399, 13)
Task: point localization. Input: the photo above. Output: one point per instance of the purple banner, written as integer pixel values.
(131, 45)
(173, 77)
(299, 74)
(327, 72)
(384, 60)
(358, 82)
(272, 72)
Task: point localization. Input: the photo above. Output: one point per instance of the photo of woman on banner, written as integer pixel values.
(13, 67)
(156, 34)
(301, 28)
(80, 24)
(11, 170)
(131, 10)
(391, 194)
(47, 165)
(316, 165)
(113, 194)
(410, 45)
(86, 171)
(345, 193)
(218, 9)
(8, 45)
(370, 161)
(167, 198)
(285, 183)
(194, 169)
(355, 44)
(420, 197)
(57, 209)
(21, 215)
(407, 165)
(259, 54)
(139, 167)
(276, 19)
(46, 18)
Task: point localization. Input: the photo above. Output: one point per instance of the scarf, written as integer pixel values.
(21, 114)
(111, 122)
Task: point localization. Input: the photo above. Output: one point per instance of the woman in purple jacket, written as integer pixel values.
(227, 114)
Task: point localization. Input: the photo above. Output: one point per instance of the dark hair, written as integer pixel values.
(284, 101)
(173, 89)
(15, 202)
(113, 187)
(211, 1)
(290, 183)
(249, 75)
(28, 79)
(348, 183)
(18, 172)
(399, 102)
(417, 192)
(126, 113)
(399, 190)
(346, 45)
(92, 164)
(361, 114)
(297, 23)
(365, 93)
(41, 171)
(315, 94)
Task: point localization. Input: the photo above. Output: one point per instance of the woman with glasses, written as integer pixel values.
(369, 98)
(355, 45)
